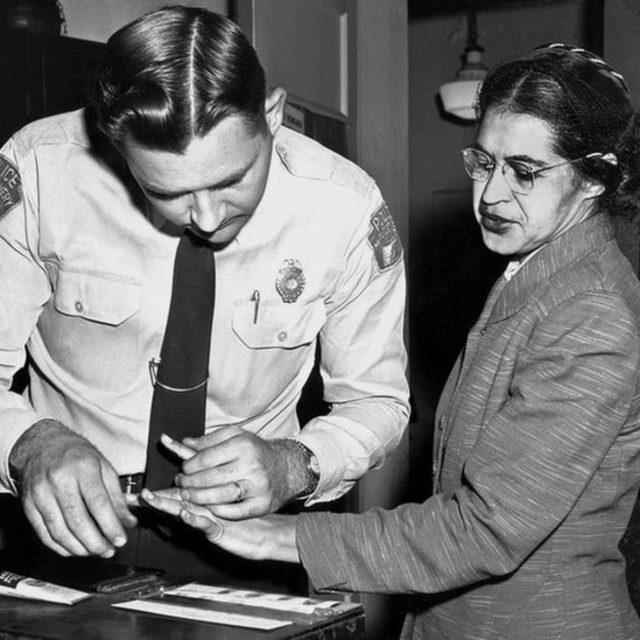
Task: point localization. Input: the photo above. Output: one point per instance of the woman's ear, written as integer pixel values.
(274, 108)
(592, 188)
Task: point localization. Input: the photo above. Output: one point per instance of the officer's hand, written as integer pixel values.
(269, 538)
(69, 492)
(236, 474)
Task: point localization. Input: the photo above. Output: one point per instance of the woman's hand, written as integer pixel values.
(270, 537)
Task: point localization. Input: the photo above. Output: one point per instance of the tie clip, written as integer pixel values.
(153, 374)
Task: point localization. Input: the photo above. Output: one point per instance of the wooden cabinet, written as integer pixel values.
(42, 75)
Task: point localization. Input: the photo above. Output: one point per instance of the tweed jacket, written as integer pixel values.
(536, 466)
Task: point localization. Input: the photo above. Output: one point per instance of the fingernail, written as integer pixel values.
(120, 541)
(147, 495)
(185, 495)
(178, 479)
(109, 553)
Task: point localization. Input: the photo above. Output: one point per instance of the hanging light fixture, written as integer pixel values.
(459, 97)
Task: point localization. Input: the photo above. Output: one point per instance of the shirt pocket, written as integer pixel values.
(104, 298)
(277, 325)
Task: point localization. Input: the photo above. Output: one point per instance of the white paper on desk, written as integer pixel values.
(202, 615)
(276, 601)
(17, 586)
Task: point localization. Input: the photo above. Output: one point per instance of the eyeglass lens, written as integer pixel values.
(479, 166)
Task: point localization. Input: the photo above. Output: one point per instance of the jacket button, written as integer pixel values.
(282, 336)
(79, 306)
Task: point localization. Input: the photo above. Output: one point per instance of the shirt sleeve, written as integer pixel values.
(363, 360)
(24, 289)
(571, 394)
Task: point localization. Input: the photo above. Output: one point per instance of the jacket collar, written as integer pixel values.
(572, 245)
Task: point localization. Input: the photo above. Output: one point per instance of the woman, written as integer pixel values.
(537, 461)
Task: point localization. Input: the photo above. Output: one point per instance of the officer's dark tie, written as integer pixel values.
(180, 391)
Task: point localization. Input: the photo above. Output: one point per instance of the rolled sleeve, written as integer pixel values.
(363, 367)
(25, 288)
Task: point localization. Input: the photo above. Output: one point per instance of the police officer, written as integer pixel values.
(183, 134)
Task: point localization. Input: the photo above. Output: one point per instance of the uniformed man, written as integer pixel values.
(183, 134)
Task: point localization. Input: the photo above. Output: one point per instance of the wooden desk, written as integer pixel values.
(96, 619)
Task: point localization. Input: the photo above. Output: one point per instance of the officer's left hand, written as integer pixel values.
(269, 538)
(234, 473)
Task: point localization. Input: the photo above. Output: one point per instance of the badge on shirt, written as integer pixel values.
(290, 281)
(384, 238)
(10, 186)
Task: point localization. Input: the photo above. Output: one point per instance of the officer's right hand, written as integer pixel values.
(70, 493)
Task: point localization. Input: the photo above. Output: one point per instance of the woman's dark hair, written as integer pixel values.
(586, 104)
(173, 74)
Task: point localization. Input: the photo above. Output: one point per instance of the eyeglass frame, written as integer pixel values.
(531, 173)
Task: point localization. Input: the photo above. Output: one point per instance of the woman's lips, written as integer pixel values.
(494, 223)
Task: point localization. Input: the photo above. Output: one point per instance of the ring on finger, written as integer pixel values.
(241, 491)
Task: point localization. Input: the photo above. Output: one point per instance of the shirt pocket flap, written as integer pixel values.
(277, 325)
(102, 298)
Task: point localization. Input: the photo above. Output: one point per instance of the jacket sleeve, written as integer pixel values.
(24, 289)
(571, 393)
(363, 359)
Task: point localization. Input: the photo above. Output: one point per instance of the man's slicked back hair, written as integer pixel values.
(173, 74)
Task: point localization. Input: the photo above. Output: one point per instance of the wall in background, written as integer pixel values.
(98, 19)
(622, 41)
(622, 50)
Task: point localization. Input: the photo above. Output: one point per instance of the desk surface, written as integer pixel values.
(96, 619)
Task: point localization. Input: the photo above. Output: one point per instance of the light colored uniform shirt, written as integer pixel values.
(85, 284)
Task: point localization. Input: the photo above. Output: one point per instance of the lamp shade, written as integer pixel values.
(459, 98)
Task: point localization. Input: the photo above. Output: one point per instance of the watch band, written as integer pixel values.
(312, 470)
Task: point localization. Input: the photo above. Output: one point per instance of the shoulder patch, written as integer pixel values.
(384, 238)
(10, 186)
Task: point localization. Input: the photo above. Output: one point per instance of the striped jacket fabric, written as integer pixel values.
(536, 466)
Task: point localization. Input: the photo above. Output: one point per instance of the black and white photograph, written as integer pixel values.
(320, 319)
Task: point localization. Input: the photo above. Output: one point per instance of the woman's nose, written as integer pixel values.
(496, 188)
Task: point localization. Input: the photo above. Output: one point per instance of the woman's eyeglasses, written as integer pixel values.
(520, 177)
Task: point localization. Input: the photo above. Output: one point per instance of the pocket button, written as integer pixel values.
(79, 306)
(282, 336)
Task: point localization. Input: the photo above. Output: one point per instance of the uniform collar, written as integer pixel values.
(581, 239)
(260, 225)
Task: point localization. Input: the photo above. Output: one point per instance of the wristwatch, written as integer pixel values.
(312, 470)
